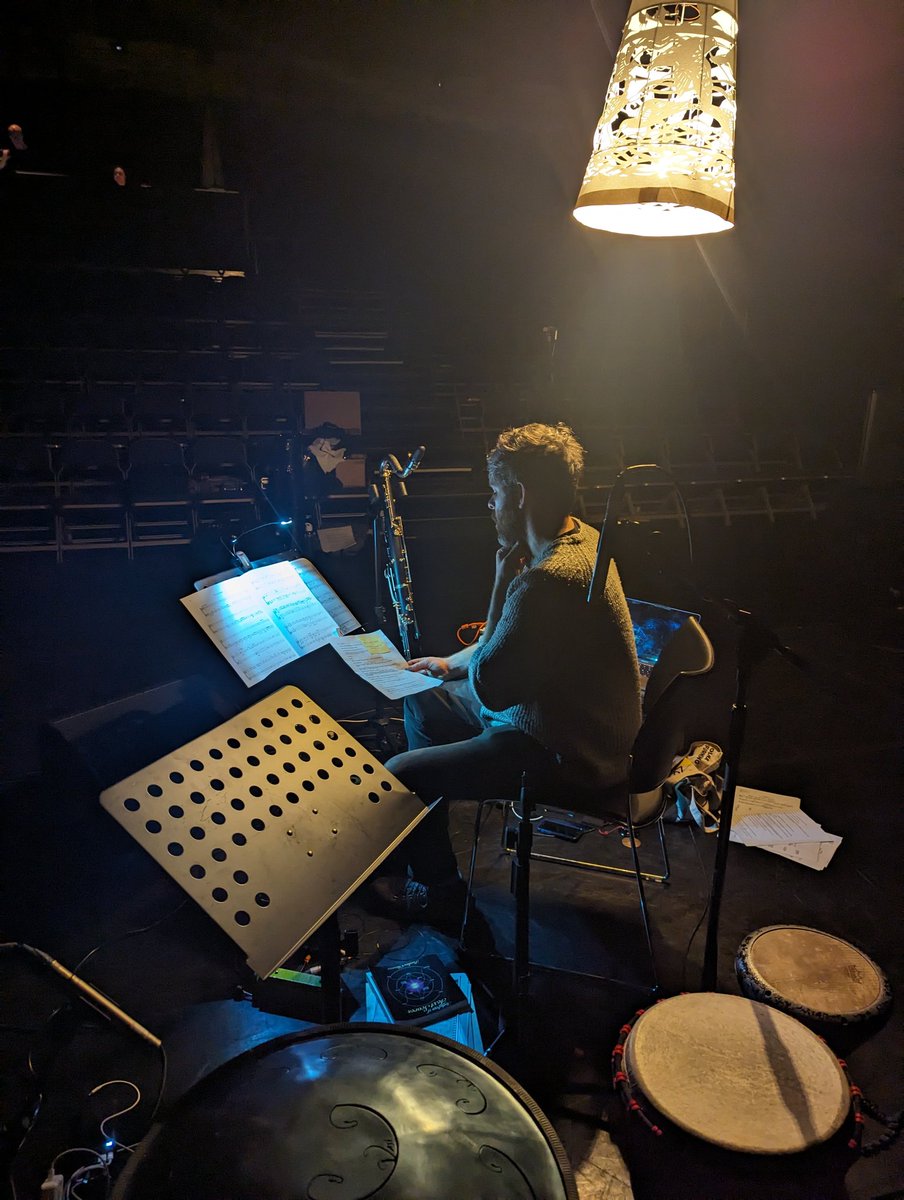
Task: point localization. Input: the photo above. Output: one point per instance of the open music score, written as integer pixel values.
(266, 618)
(269, 617)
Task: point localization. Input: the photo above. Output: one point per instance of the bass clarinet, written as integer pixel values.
(397, 570)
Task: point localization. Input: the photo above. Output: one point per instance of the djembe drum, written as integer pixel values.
(823, 981)
(728, 1098)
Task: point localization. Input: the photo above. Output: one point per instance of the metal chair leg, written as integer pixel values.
(478, 821)
(645, 916)
(521, 963)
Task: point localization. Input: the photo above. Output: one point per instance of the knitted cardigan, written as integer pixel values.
(561, 670)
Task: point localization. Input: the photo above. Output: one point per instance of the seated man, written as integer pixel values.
(552, 685)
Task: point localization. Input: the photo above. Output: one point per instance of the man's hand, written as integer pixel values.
(510, 560)
(439, 668)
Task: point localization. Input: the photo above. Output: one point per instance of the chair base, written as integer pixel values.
(601, 868)
(523, 855)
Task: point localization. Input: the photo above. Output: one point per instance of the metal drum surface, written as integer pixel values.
(820, 979)
(353, 1112)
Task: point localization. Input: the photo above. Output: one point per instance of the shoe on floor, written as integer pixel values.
(407, 900)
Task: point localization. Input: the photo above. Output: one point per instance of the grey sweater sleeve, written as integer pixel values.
(505, 669)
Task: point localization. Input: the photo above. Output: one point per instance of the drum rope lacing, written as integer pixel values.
(623, 1087)
(893, 1126)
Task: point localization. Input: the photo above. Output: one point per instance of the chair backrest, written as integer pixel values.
(688, 652)
(669, 705)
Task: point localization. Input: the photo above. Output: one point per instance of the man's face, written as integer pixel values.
(508, 515)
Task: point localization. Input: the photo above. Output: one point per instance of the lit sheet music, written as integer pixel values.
(375, 659)
(345, 619)
(300, 616)
(239, 623)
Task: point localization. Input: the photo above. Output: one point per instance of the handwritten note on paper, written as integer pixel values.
(300, 616)
(375, 659)
(239, 623)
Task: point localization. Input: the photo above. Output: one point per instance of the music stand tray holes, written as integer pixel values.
(301, 862)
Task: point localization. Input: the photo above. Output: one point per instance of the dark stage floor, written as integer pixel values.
(73, 881)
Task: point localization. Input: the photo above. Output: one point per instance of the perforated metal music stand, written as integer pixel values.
(269, 822)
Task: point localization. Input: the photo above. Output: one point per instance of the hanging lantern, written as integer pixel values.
(663, 152)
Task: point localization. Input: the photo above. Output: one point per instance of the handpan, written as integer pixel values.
(353, 1112)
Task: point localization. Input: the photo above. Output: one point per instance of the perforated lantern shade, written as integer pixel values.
(662, 162)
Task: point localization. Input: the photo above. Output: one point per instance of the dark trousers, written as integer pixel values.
(454, 756)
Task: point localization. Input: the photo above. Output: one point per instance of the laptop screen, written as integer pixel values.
(654, 625)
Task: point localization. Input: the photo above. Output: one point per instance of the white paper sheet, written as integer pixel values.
(343, 616)
(375, 659)
(817, 855)
(333, 538)
(238, 622)
(294, 608)
(266, 618)
(345, 619)
(754, 800)
(760, 829)
(770, 821)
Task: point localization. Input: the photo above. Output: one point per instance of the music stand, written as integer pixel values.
(269, 822)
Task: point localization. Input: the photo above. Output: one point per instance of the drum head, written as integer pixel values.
(347, 1112)
(814, 971)
(737, 1073)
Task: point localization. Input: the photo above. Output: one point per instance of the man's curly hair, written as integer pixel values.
(547, 458)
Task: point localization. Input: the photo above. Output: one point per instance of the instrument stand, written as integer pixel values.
(754, 644)
(380, 720)
(270, 822)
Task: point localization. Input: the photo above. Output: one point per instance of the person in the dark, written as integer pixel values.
(552, 684)
(13, 152)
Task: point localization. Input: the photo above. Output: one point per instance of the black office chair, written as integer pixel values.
(639, 800)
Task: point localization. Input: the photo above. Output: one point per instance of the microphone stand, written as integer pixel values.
(755, 642)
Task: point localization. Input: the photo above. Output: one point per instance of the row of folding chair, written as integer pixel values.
(722, 453)
(35, 461)
(97, 492)
(120, 408)
(197, 348)
(133, 368)
(725, 502)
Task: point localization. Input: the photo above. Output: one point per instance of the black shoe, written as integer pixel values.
(407, 900)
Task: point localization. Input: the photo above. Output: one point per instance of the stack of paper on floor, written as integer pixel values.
(776, 823)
